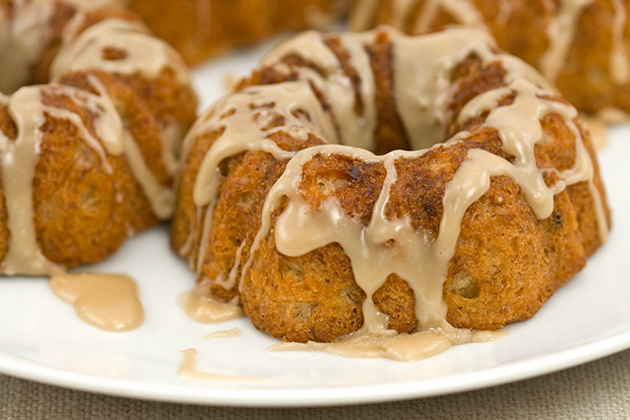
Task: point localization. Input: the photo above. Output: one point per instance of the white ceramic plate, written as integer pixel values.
(42, 339)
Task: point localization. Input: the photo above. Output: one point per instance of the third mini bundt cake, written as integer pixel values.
(317, 240)
(583, 46)
(201, 28)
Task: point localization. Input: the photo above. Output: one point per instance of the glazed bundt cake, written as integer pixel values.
(583, 46)
(90, 133)
(201, 28)
(495, 204)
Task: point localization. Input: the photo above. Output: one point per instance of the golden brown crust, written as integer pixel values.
(77, 215)
(138, 116)
(166, 98)
(303, 299)
(7, 126)
(503, 266)
(6, 123)
(248, 179)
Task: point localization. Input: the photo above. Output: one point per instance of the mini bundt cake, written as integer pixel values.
(317, 240)
(583, 46)
(201, 28)
(90, 134)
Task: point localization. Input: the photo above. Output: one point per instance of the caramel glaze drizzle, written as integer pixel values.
(423, 66)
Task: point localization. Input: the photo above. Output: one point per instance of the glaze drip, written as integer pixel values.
(207, 310)
(619, 60)
(463, 11)
(561, 34)
(233, 332)
(187, 370)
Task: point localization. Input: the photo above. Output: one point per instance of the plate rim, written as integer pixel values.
(318, 397)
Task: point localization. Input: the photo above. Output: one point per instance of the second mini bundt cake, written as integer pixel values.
(497, 202)
(583, 46)
(88, 158)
